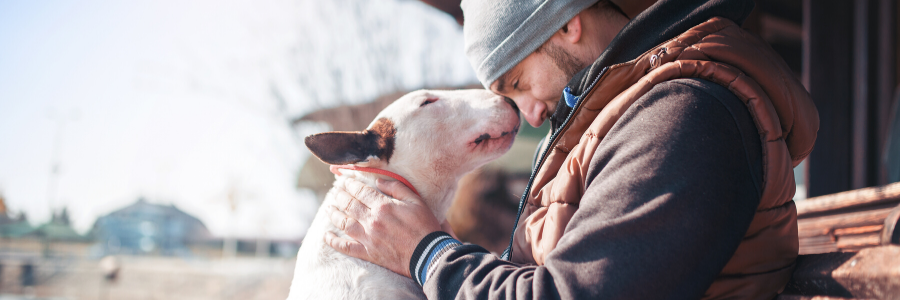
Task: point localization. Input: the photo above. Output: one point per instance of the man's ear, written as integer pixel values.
(350, 147)
(571, 32)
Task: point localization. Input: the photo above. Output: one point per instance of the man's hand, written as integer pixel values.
(387, 227)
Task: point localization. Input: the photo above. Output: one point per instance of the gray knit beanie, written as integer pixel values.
(501, 33)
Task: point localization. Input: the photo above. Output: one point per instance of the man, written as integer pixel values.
(667, 173)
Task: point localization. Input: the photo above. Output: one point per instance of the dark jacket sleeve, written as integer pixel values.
(672, 189)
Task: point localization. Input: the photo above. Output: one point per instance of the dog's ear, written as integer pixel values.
(350, 147)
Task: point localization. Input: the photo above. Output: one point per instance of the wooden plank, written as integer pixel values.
(818, 249)
(859, 240)
(871, 273)
(818, 244)
(859, 230)
(818, 240)
(811, 231)
(811, 226)
(854, 249)
(849, 199)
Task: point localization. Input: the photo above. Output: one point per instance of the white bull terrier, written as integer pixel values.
(429, 138)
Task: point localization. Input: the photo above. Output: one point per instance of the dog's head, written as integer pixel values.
(429, 137)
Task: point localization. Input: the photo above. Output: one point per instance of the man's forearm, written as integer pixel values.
(471, 272)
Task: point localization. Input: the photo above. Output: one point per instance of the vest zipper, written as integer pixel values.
(507, 254)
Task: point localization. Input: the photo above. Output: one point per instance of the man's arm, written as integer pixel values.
(672, 189)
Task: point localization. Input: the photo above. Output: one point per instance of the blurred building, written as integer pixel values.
(12, 227)
(144, 228)
(59, 229)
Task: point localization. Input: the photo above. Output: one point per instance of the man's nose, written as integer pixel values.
(532, 116)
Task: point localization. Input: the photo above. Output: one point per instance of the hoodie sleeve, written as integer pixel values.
(671, 192)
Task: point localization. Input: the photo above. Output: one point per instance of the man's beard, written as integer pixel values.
(564, 60)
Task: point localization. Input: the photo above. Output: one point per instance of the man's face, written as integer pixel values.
(536, 84)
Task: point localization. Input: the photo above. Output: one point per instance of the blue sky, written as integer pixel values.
(184, 102)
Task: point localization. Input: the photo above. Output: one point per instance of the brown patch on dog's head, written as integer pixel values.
(349, 147)
(385, 131)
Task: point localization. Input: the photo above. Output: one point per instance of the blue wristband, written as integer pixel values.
(431, 247)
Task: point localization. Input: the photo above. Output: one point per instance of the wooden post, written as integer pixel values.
(850, 70)
(827, 71)
(887, 79)
(861, 140)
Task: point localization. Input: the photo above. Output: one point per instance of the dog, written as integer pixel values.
(429, 138)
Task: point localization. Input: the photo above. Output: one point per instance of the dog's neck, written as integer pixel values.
(438, 196)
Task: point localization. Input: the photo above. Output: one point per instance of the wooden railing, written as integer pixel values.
(849, 221)
(848, 246)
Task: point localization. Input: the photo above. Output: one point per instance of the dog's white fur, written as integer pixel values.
(434, 146)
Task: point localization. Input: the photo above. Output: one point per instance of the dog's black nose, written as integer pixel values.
(512, 103)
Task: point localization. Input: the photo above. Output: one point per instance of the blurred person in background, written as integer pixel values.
(666, 174)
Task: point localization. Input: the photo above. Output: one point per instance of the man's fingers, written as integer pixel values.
(345, 246)
(396, 190)
(351, 206)
(347, 224)
(364, 193)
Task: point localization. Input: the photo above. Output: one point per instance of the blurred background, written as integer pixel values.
(165, 134)
(154, 149)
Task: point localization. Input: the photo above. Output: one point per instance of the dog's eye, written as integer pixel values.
(428, 101)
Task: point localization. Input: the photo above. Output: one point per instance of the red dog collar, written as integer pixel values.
(336, 170)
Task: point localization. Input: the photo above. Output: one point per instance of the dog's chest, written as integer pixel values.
(323, 273)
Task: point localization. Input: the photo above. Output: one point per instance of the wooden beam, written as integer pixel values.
(871, 273)
(826, 224)
(886, 80)
(849, 221)
(849, 200)
(827, 73)
(861, 141)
